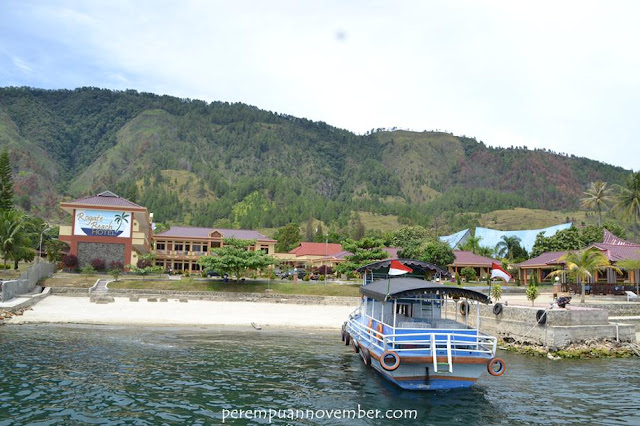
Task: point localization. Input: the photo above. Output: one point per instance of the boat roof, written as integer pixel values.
(396, 288)
(412, 263)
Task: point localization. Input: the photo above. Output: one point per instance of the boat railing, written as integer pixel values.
(439, 342)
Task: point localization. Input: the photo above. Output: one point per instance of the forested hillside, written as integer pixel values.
(217, 163)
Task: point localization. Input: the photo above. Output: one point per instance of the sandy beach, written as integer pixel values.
(78, 310)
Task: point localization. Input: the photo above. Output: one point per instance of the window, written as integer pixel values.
(160, 246)
(215, 244)
(196, 247)
(178, 247)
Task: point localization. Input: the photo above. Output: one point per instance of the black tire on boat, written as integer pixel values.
(366, 357)
(347, 338)
(343, 335)
(497, 308)
(541, 316)
(356, 346)
(464, 307)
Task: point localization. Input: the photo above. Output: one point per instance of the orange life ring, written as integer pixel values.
(380, 329)
(370, 325)
(496, 362)
(383, 362)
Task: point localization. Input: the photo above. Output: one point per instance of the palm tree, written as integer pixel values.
(628, 200)
(596, 197)
(15, 241)
(582, 265)
(631, 265)
(508, 247)
(472, 244)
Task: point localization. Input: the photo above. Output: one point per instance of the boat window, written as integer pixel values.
(405, 309)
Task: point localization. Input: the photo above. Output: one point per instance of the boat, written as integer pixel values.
(415, 330)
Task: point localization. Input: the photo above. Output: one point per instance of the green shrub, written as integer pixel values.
(88, 270)
(532, 292)
(468, 273)
(496, 292)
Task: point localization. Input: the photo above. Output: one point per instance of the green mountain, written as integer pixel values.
(202, 163)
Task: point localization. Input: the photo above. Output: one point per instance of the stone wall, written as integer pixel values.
(562, 328)
(109, 252)
(220, 296)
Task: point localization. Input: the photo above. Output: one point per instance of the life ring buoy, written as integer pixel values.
(499, 363)
(497, 308)
(366, 356)
(464, 307)
(347, 338)
(541, 316)
(380, 329)
(383, 360)
(370, 325)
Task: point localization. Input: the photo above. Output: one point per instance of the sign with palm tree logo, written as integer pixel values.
(102, 223)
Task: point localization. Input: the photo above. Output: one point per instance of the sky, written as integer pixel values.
(559, 75)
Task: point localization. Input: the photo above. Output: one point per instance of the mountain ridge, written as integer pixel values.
(263, 169)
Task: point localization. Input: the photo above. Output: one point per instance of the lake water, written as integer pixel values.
(127, 375)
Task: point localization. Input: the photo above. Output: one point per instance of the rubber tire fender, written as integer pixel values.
(497, 309)
(541, 316)
(464, 307)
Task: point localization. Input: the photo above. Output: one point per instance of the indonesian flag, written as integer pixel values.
(498, 272)
(397, 268)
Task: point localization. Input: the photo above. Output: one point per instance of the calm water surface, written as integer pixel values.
(107, 375)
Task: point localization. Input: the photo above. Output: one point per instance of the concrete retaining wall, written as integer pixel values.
(562, 328)
(220, 296)
(27, 281)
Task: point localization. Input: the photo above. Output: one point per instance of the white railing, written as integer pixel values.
(447, 341)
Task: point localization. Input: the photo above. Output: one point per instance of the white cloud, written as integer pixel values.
(559, 75)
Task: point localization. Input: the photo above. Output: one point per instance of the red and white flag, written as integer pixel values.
(397, 268)
(498, 272)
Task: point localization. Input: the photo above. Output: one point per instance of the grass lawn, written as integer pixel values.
(190, 284)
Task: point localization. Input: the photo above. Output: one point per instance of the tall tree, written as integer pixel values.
(510, 248)
(582, 265)
(15, 236)
(365, 251)
(628, 200)
(6, 182)
(234, 257)
(597, 196)
(288, 237)
(309, 232)
(472, 244)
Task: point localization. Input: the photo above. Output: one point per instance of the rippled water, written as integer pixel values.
(106, 375)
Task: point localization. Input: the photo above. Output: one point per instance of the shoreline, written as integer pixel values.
(56, 309)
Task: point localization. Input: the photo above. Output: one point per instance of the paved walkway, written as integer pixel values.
(101, 286)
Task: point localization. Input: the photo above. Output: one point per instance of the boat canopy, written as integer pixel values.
(396, 288)
(412, 263)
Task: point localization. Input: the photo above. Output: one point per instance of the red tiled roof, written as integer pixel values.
(189, 232)
(468, 258)
(316, 249)
(611, 239)
(616, 252)
(106, 198)
(548, 258)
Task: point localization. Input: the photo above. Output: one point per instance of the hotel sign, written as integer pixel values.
(102, 223)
